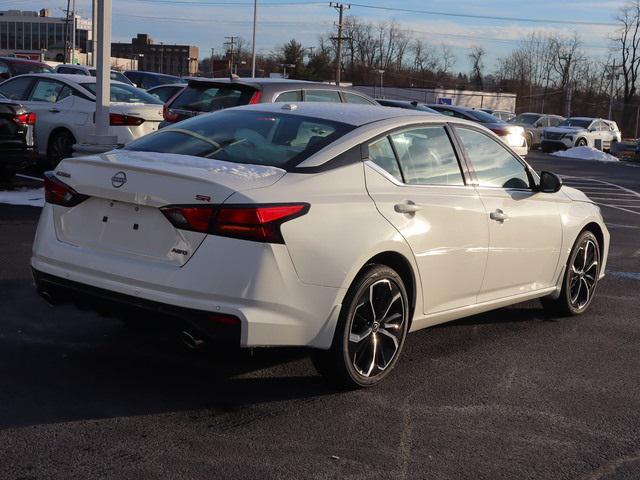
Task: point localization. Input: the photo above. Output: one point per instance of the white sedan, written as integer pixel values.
(65, 106)
(337, 227)
(580, 132)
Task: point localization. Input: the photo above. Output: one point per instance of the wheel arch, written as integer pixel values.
(55, 131)
(401, 264)
(596, 229)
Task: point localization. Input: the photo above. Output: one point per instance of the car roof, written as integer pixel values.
(584, 118)
(273, 82)
(349, 113)
(22, 60)
(69, 77)
(165, 85)
(143, 72)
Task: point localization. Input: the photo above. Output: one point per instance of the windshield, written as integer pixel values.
(247, 137)
(525, 118)
(209, 98)
(484, 117)
(575, 122)
(125, 94)
(25, 68)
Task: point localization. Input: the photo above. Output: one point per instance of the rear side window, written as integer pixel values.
(125, 94)
(17, 88)
(353, 98)
(427, 157)
(381, 153)
(206, 98)
(25, 68)
(322, 96)
(70, 70)
(47, 91)
(245, 137)
(294, 96)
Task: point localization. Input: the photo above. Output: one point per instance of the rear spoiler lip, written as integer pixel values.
(223, 83)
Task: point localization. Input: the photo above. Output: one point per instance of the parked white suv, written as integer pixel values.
(71, 69)
(580, 132)
(65, 106)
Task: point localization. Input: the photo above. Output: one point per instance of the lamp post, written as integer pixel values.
(381, 72)
(253, 43)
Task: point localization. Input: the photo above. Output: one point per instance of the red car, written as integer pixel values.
(12, 66)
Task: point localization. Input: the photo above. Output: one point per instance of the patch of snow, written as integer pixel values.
(585, 153)
(32, 197)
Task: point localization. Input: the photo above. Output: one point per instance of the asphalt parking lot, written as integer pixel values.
(511, 394)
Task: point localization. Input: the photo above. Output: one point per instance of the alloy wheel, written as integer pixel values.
(377, 328)
(583, 274)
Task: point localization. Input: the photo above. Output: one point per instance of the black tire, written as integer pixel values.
(529, 139)
(60, 147)
(583, 267)
(582, 142)
(379, 340)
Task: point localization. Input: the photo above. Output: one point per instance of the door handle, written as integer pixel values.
(407, 207)
(54, 110)
(498, 215)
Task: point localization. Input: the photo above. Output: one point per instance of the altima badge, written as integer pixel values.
(119, 179)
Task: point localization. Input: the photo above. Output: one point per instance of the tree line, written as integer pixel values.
(549, 72)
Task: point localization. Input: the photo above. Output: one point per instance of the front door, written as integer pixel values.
(525, 230)
(415, 179)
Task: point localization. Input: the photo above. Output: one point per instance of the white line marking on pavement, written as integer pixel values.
(629, 275)
(29, 177)
(603, 190)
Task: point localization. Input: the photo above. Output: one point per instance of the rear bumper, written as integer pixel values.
(119, 305)
(17, 159)
(252, 281)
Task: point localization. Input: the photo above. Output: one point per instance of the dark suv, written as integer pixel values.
(11, 67)
(208, 95)
(147, 80)
(16, 138)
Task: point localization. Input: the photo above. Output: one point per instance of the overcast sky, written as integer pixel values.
(200, 23)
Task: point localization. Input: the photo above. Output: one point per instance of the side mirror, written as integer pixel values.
(549, 182)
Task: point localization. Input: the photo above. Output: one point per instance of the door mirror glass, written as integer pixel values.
(549, 182)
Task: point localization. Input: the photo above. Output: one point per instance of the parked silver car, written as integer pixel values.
(581, 132)
(534, 123)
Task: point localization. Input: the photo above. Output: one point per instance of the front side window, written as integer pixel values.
(381, 153)
(17, 88)
(48, 91)
(322, 96)
(427, 157)
(25, 68)
(494, 165)
(245, 137)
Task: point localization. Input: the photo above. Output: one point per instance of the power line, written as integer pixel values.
(232, 4)
(486, 17)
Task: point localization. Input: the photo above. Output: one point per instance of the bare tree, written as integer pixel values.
(627, 43)
(477, 65)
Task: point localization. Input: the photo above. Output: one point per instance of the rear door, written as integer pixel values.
(415, 178)
(525, 228)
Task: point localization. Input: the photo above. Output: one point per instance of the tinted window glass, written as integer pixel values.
(554, 122)
(525, 118)
(46, 91)
(204, 98)
(427, 157)
(322, 96)
(575, 122)
(24, 68)
(69, 70)
(483, 117)
(4, 68)
(353, 98)
(16, 89)
(295, 96)
(279, 140)
(125, 93)
(494, 165)
(381, 153)
(164, 93)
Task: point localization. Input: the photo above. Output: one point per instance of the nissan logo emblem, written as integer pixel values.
(119, 179)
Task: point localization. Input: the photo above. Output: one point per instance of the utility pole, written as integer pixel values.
(568, 87)
(94, 32)
(161, 57)
(340, 8)
(253, 43)
(230, 44)
(66, 33)
(73, 32)
(212, 72)
(612, 92)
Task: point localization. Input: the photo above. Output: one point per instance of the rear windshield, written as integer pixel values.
(122, 93)
(484, 117)
(209, 98)
(25, 68)
(247, 137)
(575, 122)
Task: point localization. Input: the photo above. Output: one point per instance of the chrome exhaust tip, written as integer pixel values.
(47, 297)
(191, 341)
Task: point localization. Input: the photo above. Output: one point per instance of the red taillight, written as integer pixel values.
(255, 98)
(118, 119)
(168, 115)
(260, 223)
(223, 319)
(59, 193)
(25, 118)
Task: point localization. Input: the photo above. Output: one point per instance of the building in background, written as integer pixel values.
(180, 60)
(38, 35)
